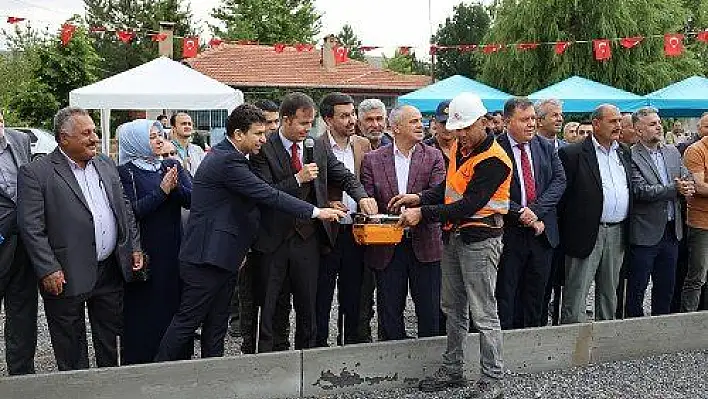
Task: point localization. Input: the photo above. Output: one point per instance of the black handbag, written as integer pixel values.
(142, 275)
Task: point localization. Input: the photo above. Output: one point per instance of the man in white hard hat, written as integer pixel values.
(470, 205)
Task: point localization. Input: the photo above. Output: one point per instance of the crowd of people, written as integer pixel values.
(509, 217)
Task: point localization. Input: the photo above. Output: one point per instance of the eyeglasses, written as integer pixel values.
(169, 154)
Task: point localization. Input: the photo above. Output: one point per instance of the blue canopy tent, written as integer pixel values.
(584, 95)
(688, 98)
(428, 98)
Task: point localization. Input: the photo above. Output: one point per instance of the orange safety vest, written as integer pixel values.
(458, 179)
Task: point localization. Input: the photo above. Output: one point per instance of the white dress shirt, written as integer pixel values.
(288, 147)
(658, 158)
(346, 156)
(105, 227)
(615, 191)
(519, 172)
(403, 167)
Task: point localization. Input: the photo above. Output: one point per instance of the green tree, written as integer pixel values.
(406, 64)
(468, 25)
(640, 70)
(267, 21)
(46, 71)
(348, 39)
(142, 16)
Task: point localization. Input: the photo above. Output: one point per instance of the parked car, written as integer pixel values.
(42, 142)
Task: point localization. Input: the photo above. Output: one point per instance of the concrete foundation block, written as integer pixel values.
(548, 348)
(648, 336)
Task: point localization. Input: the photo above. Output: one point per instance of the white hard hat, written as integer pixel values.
(465, 109)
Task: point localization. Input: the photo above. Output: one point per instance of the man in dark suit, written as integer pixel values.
(405, 167)
(82, 239)
(222, 224)
(531, 226)
(18, 283)
(290, 246)
(656, 222)
(343, 264)
(593, 213)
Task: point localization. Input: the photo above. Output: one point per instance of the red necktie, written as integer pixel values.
(529, 183)
(295, 158)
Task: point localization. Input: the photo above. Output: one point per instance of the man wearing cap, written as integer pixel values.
(470, 205)
(443, 138)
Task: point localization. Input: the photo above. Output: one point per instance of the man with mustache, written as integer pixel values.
(593, 215)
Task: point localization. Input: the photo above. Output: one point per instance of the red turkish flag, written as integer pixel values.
(491, 48)
(526, 46)
(702, 36)
(14, 20)
(125, 36)
(341, 54)
(603, 51)
(433, 50)
(304, 47)
(404, 50)
(159, 37)
(466, 48)
(560, 47)
(215, 42)
(279, 47)
(673, 44)
(629, 42)
(190, 47)
(67, 31)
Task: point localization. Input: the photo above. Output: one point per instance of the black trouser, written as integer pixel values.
(18, 293)
(250, 293)
(392, 287)
(521, 281)
(296, 262)
(366, 305)
(554, 285)
(342, 267)
(206, 293)
(67, 326)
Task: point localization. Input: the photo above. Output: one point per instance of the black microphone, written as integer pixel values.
(308, 155)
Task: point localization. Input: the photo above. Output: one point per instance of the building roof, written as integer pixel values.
(261, 66)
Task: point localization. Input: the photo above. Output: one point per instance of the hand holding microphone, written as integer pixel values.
(309, 169)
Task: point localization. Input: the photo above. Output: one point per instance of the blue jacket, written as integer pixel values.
(224, 216)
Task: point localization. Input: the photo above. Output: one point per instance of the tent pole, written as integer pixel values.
(105, 131)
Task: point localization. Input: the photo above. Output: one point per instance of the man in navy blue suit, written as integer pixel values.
(222, 225)
(530, 227)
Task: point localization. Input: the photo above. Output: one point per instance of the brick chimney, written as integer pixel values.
(166, 47)
(328, 61)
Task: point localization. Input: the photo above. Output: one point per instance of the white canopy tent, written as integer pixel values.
(159, 84)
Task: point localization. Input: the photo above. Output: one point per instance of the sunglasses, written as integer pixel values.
(169, 154)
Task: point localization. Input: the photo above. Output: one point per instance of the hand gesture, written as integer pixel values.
(368, 206)
(527, 217)
(308, 173)
(410, 217)
(138, 260)
(169, 180)
(407, 200)
(538, 227)
(54, 283)
(330, 215)
(685, 187)
(338, 205)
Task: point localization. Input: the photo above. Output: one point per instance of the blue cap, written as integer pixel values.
(443, 111)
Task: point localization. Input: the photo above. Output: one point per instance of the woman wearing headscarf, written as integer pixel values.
(157, 190)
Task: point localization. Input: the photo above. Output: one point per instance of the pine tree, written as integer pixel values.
(468, 25)
(348, 39)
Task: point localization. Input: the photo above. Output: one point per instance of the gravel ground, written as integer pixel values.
(675, 376)
(44, 359)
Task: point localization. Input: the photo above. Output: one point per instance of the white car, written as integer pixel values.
(42, 142)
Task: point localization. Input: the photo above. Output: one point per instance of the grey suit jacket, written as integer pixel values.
(649, 214)
(57, 225)
(19, 145)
